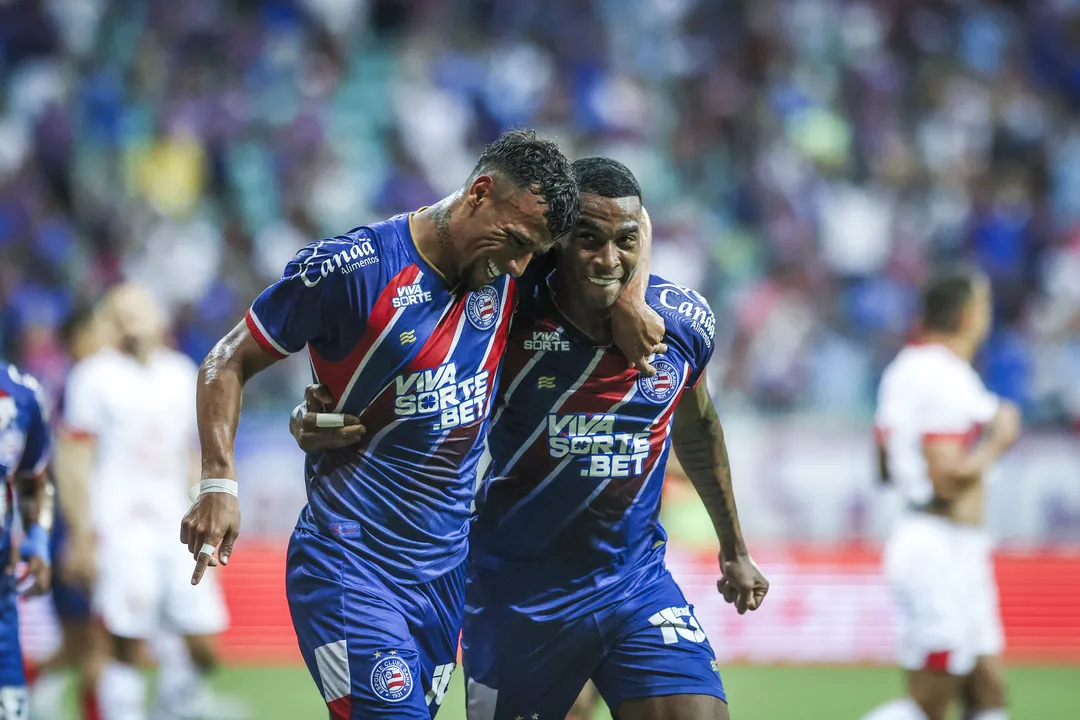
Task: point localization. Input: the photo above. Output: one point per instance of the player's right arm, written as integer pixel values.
(298, 309)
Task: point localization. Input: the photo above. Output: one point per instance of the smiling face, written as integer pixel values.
(504, 226)
(602, 251)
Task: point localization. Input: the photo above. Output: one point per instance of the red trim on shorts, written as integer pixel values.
(73, 433)
(937, 661)
(340, 709)
(966, 438)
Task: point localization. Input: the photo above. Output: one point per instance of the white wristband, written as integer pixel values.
(213, 485)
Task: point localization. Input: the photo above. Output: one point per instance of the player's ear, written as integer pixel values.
(480, 192)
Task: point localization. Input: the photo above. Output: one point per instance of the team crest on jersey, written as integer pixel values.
(391, 679)
(482, 308)
(8, 409)
(660, 387)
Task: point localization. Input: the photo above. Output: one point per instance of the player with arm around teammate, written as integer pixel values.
(24, 453)
(405, 323)
(939, 434)
(566, 573)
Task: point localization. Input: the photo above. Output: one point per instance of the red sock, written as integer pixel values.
(90, 708)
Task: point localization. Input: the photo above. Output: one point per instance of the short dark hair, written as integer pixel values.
(605, 177)
(79, 317)
(945, 295)
(534, 162)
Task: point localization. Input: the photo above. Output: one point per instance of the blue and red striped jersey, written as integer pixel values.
(579, 444)
(25, 440)
(418, 362)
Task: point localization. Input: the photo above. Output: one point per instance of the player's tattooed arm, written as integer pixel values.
(213, 522)
(698, 440)
(637, 329)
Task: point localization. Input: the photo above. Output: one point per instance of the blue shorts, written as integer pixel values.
(72, 603)
(645, 644)
(375, 649)
(12, 672)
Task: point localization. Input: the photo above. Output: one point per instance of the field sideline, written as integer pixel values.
(756, 692)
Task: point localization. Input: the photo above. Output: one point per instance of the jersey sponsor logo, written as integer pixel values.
(552, 341)
(482, 308)
(408, 337)
(678, 622)
(592, 437)
(440, 682)
(438, 392)
(391, 679)
(321, 265)
(690, 304)
(546, 382)
(660, 387)
(408, 295)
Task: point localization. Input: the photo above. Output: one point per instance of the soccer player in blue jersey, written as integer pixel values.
(406, 323)
(566, 575)
(24, 454)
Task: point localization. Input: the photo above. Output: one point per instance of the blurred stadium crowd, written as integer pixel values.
(805, 161)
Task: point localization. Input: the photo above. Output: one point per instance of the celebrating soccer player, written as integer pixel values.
(566, 575)
(406, 322)
(940, 431)
(24, 453)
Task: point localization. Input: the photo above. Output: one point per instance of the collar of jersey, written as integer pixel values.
(416, 246)
(565, 321)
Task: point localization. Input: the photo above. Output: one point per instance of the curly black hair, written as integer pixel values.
(605, 177)
(534, 162)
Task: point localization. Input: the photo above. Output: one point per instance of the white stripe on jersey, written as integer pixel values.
(565, 396)
(371, 351)
(562, 466)
(269, 338)
(517, 381)
(449, 354)
(667, 433)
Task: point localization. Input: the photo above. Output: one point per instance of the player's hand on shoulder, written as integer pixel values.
(317, 428)
(741, 582)
(211, 525)
(638, 332)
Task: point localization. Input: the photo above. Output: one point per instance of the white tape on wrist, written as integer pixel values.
(219, 485)
(329, 420)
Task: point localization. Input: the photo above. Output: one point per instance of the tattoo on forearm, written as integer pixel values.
(701, 450)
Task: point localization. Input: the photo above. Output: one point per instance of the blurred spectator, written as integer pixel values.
(804, 161)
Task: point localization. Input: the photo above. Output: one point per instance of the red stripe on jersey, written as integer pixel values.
(260, 336)
(337, 374)
(967, 438)
(434, 351)
(502, 333)
(628, 490)
(610, 381)
(340, 709)
(937, 661)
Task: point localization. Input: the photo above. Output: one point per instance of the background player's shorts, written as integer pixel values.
(943, 578)
(648, 645)
(374, 649)
(70, 602)
(144, 584)
(14, 703)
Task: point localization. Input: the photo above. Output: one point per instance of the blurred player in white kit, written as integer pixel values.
(939, 432)
(130, 453)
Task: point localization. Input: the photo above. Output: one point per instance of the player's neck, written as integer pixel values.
(594, 324)
(957, 344)
(431, 233)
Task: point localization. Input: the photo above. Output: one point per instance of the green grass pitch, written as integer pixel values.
(756, 693)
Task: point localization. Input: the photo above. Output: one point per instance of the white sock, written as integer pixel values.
(995, 714)
(122, 692)
(901, 709)
(47, 696)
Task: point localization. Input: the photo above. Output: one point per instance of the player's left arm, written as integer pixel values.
(35, 500)
(698, 439)
(638, 331)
